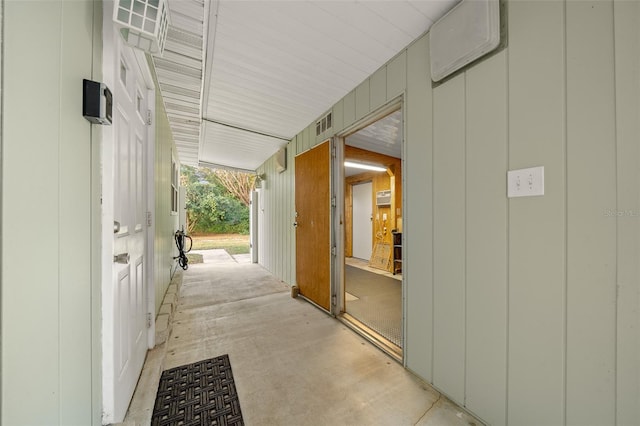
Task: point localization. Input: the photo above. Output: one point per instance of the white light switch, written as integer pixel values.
(525, 182)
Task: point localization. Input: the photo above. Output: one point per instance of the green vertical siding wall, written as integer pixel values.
(276, 213)
(166, 223)
(418, 212)
(536, 77)
(523, 310)
(50, 209)
(626, 39)
(591, 238)
(486, 242)
(449, 208)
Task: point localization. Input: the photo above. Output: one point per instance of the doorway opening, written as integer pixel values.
(372, 286)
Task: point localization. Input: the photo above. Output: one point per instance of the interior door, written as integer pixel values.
(362, 217)
(313, 232)
(253, 226)
(129, 278)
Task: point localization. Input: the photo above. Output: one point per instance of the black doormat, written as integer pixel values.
(202, 393)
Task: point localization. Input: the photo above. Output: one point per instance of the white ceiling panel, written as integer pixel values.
(235, 148)
(434, 9)
(376, 27)
(270, 68)
(180, 72)
(384, 136)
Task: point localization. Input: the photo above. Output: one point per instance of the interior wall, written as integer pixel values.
(523, 310)
(166, 222)
(349, 207)
(50, 215)
(381, 181)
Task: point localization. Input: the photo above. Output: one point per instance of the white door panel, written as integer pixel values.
(138, 324)
(362, 220)
(129, 201)
(122, 313)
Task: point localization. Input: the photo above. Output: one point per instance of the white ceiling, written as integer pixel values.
(180, 73)
(384, 136)
(273, 67)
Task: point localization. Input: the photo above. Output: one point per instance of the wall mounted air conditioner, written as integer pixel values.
(383, 198)
(281, 160)
(467, 32)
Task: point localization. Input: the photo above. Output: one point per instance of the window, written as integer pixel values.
(123, 73)
(174, 186)
(139, 103)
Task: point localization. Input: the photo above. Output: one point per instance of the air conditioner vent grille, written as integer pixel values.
(324, 124)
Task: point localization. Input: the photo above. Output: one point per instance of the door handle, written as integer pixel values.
(295, 224)
(121, 258)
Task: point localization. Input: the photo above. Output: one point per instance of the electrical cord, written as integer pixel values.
(182, 258)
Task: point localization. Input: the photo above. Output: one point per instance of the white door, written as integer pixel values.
(253, 226)
(129, 211)
(260, 221)
(362, 220)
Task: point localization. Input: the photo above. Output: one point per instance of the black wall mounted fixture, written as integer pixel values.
(97, 102)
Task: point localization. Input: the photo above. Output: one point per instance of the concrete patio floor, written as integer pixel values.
(292, 363)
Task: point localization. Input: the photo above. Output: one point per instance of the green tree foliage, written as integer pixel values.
(211, 208)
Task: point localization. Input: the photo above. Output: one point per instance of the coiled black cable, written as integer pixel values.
(182, 259)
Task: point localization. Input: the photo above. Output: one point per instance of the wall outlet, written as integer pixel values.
(525, 182)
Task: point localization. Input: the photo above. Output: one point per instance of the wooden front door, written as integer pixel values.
(313, 230)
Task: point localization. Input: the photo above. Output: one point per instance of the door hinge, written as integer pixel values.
(333, 250)
(333, 151)
(334, 299)
(149, 219)
(149, 115)
(149, 319)
(333, 201)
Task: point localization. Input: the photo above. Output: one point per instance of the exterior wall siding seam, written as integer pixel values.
(566, 216)
(465, 376)
(617, 224)
(507, 239)
(59, 213)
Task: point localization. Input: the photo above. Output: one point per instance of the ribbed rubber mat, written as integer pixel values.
(202, 393)
(377, 302)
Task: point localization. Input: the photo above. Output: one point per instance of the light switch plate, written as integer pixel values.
(525, 182)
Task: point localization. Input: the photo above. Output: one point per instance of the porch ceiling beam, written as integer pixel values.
(223, 167)
(255, 132)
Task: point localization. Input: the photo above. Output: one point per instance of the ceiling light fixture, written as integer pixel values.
(364, 166)
(143, 24)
